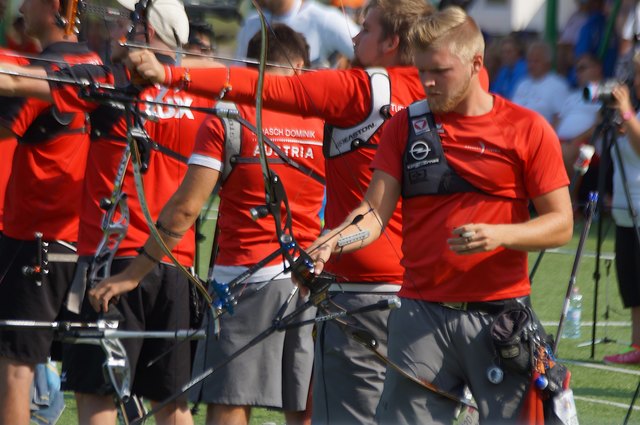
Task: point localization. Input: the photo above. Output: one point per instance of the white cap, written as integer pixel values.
(168, 18)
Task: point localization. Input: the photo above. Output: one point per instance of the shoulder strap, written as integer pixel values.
(340, 140)
(232, 139)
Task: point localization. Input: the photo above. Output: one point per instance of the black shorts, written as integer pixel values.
(21, 298)
(628, 266)
(160, 302)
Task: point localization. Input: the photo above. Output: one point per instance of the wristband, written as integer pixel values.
(168, 232)
(176, 77)
(144, 253)
(627, 116)
(168, 75)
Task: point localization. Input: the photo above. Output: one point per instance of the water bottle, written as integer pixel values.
(572, 321)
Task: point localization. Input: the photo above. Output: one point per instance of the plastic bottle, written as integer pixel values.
(571, 328)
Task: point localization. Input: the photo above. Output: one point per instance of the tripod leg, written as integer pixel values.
(534, 269)
(633, 401)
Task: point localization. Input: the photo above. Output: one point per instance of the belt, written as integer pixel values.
(491, 307)
(364, 287)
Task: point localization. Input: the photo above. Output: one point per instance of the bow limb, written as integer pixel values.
(275, 194)
(113, 230)
(266, 172)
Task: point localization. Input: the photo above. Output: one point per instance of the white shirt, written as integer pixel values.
(631, 25)
(325, 28)
(544, 95)
(631, 163)
(576, 116)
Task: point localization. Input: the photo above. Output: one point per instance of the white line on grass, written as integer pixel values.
(601, 367)
(608, 403)
(598, 325)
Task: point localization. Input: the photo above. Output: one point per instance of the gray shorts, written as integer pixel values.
(449, 348)
(348, 378)
(275, 372)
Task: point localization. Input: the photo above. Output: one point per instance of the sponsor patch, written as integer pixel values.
(420, 126)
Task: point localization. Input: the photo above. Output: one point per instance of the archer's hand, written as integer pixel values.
(109, 290)
(145, 65)
(320, 251)
(475, 238)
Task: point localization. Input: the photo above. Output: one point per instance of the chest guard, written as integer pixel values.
(425, 170)
(339, 140)
(51, 124)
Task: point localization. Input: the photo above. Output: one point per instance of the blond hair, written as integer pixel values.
(397, 17)
(451, 26)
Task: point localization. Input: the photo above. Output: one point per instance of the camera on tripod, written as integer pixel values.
(600, 92)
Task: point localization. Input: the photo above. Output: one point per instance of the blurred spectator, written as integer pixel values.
(3, 26)
(541, 90)
(201, 38)
(627, 248)
(325, 28)
(513, 69)
(353, 8)
(630, 30)
(492, 60)
(569, 37)
(578, 117)
(629, 35)
(95, 33)
(18, 40)
(592, 35)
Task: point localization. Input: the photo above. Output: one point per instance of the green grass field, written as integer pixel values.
(602, 395)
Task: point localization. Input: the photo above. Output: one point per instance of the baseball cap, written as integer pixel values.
(168, 18)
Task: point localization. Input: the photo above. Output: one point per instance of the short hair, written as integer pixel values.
(450, 26)
(283, 45)
(515, 41)
(397, 17)
(544, 47)
(197, 29)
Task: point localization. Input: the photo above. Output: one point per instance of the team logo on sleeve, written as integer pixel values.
(420, 126)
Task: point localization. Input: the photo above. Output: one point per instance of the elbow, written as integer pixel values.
(180, 214)
(565, 236)
(564, 232)
(186, 213)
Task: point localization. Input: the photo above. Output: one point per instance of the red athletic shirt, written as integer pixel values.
(174, 129)
(511, 153)
(243, 241)
(7, 145)
(342, 99)
(45, 186)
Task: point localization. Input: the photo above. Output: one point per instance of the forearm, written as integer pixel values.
(177, 216)
(175, 219)
(552, 227)
(550, 230)
(363, 223)
(368, 220)
(26, 84)
(632, 129)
